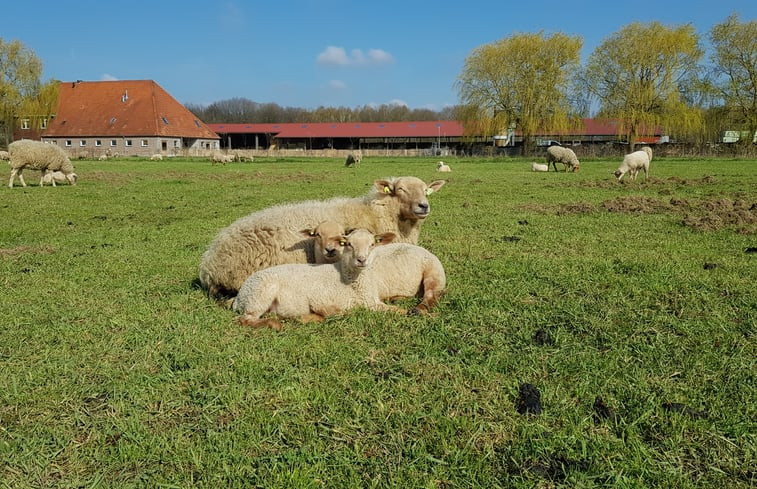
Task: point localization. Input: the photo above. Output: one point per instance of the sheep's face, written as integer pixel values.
(328, 237)
(358, 245)
(412, 194)
(71, 177)
(618, 174)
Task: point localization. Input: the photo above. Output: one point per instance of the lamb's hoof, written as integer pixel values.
(419, 310)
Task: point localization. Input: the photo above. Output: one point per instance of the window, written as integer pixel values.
(98, 142)
(175, 143)
(24, 123)
(68, 142)
(144, 143)
(113, 142)
(165, 121)
(128, 143)
(43, 124)
(82, 143)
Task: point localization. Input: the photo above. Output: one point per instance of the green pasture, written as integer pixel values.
(630, 307)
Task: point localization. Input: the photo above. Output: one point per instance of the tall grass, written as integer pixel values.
(116, 371)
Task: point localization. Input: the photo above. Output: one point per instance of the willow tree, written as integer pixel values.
(735, 60)
(638, 74)
(20, 71)
(519, 82)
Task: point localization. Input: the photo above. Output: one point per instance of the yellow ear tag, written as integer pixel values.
(342, 242)
(378, 239)
(429, 191)
(387, 190)
(312, 232)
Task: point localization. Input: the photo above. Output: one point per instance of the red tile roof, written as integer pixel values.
(122, 108)
(347, 129)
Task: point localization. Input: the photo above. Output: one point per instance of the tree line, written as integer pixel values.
(644, 76)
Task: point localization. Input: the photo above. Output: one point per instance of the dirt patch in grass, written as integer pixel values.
(21, 250)
(576, 208)
(711, 215)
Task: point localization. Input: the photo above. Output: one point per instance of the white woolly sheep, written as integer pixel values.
(313, 292)
(156, 157)
(58, 177)
(354, 158)
(566, 156)
(441, 166)
(102, 157)
(539, 167)
(37, 155)
(273, 236)
(327, 241)
(221, 158)
(633, 162)
(5, 156)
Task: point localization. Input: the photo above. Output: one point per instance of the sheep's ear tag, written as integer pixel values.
(429, 191)
(342, 242)
(387, 190)
(378, 239)
(312, 232)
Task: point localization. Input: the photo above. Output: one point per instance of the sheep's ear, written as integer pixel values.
(384, 186)
(435, 186)
(385, 238)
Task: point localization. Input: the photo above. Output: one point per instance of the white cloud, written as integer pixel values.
(337, 85)
(108, 77)
(337, 56)
(398, 102)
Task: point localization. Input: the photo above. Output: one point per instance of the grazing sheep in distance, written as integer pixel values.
(354, 158)
(37, 155)
(633, 162)
(4, 155)
(566, 156)
(221, 158)
(313, 292)
(58, 177)
(327, 238)
(441, 166)
(273, 236)
(156, 157)
(539, 167)
(102, 157)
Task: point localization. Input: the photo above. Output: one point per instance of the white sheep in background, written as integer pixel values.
(156, 157)
(327, 238)
(102, 157)
(273, 236)
(441, 166)
(633, 162)
(354, 158)
(5, 156)
(539, 167)
(221, 158)
(37, 155)
(313, 292)
(566, 156)
(58, 177)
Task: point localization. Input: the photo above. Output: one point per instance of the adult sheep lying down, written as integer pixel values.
(273, 236)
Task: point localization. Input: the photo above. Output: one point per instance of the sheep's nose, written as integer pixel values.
(330, 252)
(360, 260)
(423, 206)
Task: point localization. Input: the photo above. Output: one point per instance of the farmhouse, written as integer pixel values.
(125, 117)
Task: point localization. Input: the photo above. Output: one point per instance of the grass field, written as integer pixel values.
(631, 308)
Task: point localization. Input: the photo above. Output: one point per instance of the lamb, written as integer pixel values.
(441, 166)
(57, 177)
(633, 162)
(37, 155)
(539, 167)
(354, 158)
(363, 277)
(156, 157)
(102, 158)
(273, 236)
(327, 241)
(566, 156)
(4, 155)
(313, 292)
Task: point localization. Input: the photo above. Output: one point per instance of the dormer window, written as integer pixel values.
(125, 96)
(165, 121)
(24, 123)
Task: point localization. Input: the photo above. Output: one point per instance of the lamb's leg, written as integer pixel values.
(21, 177)
(14, 171)
(257, 322)
(431, 295)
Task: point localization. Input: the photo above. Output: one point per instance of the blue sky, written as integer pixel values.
(312, 53)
